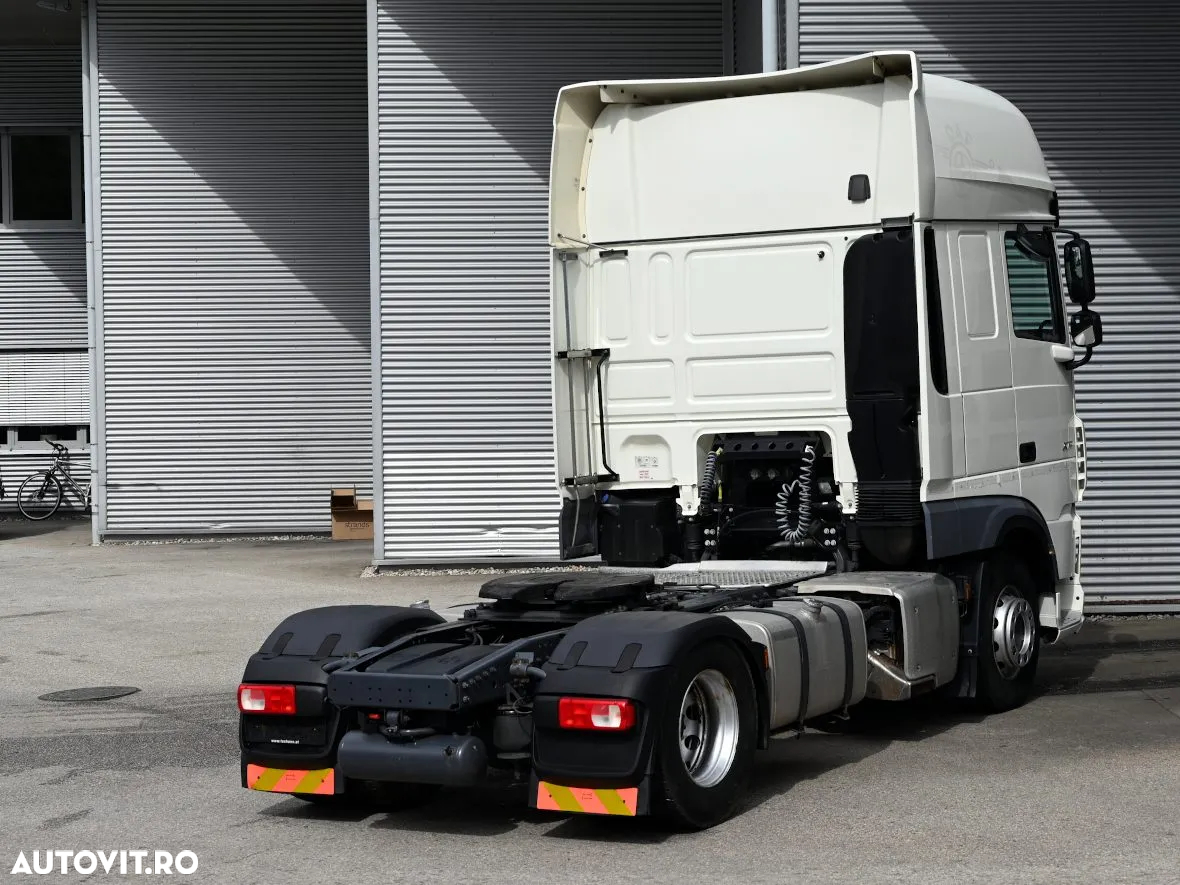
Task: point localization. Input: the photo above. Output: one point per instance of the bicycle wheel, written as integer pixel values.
(39, 496)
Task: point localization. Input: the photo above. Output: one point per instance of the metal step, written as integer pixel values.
(726, 573)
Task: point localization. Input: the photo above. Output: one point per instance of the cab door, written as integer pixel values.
(985, 359)
(1042, 382)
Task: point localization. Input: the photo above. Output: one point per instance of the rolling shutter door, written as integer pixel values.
(1097, 86)
(236, 385)
(466, 92)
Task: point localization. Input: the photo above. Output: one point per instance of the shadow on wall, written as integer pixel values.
(508, 60)
(42, 272)
(1103, 102)
(1088, 68)
(1095, 80)
(236, 153)
(42, 290)
(236, 308)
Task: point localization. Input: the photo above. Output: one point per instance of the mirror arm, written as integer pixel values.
(1025, 246)
(1077, 364)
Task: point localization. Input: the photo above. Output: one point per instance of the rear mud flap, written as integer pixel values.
(579, 525)
(616, 801)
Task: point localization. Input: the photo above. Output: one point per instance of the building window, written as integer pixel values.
(1037, 311)
(32, 438)
(40, 177)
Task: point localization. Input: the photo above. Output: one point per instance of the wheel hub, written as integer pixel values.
(708, 728)
(1014, 632)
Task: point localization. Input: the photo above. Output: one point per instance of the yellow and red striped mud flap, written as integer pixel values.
(586, 800)
(321, 782)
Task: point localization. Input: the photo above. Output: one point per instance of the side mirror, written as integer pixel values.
(1079, 272)
(1085, 328)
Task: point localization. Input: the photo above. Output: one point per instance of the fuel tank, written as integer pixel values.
(818, 655)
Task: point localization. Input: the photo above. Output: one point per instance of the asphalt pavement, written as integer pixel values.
(1080, 785)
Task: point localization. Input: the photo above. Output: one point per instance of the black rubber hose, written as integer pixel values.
(708, 484)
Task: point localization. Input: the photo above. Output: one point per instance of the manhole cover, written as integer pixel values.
(99, 693)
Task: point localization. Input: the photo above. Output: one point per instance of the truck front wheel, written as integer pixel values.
(1009, 642)
(706, 737)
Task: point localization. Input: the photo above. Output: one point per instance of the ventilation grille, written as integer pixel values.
(882, 502)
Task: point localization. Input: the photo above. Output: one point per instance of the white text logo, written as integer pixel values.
(120, 861)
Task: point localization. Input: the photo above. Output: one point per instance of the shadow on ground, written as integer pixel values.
(500, 808)
(1113, 655)
(13, 528)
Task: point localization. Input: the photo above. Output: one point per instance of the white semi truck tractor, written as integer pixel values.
(813, 375)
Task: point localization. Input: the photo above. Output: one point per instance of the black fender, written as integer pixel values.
(962, 526)
(297, 649)
(624, 655)
(296, 652)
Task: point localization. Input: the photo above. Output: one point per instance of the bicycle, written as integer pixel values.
(40, 496)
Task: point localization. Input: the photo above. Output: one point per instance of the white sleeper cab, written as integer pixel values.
(815, 320)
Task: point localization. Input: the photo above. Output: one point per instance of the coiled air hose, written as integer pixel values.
(708, 484)
(795, 522)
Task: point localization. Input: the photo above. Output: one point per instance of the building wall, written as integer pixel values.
(1097, 85)
(233, 256)
(464, 94)
(44, 377)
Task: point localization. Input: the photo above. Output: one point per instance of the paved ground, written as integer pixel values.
(1082, 785)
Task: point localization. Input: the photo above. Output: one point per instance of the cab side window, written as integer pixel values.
(1037, 312)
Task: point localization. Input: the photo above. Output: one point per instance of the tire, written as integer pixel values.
(706, 737)
(39, 496)
(1009, 643)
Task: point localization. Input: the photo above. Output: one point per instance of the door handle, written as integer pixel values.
(1028, 452)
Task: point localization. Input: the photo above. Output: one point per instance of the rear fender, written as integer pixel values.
(297, 649)
(296, 652)
(624, 655)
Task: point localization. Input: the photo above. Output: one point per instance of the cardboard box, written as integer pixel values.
(352, 517)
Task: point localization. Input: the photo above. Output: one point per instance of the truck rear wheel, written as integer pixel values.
(705, 744)
(1009, 644)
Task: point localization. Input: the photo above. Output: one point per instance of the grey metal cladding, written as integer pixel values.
(1097, 84)
(42, 289)
(466, 92)
(40, 86)
(235, 263)
(42, 272)
(44, 388)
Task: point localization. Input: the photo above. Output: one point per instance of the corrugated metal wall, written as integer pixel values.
(235, 389)
(44, 389)
(40, 86)
(1096, 80)
(465, 95)
(42, 289)
(42, 272)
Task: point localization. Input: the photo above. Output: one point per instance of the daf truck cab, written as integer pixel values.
(814, 415)
(819, 315)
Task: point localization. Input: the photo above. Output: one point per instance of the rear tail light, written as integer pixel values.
(273, 699)
(595, 714)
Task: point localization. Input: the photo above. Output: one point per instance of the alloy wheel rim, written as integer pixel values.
(709, 728)
(1014, 632)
